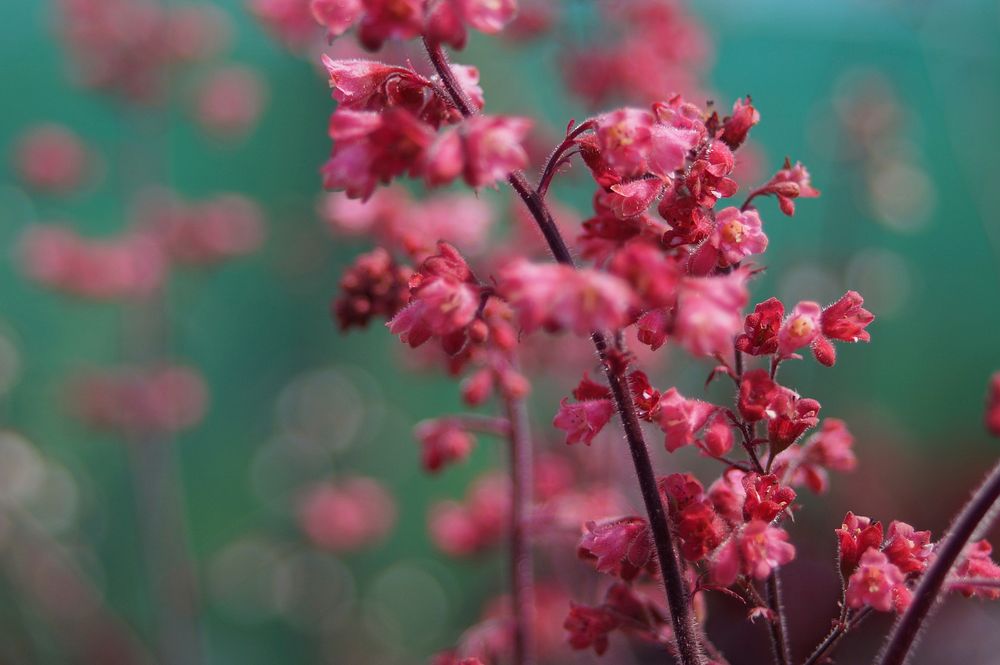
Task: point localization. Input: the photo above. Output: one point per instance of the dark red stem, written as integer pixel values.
(778, 625)
(930, 589)
(835, 635)
(521, 571)
(678, 601)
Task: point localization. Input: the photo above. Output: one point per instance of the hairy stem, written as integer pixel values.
(830, 641)
(521, 573)
(929, 590)
(678, 602)
(778, 625)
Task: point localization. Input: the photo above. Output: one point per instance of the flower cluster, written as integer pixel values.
(137, 401)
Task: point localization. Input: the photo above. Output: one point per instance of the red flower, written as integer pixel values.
(878, 584)
(766, 498)
(755, 550)
(788, 184)
(622, 547)
(799, 329)
(909, 550)
(828, 449)
(757, 390)
(736, 127)
(709, 313)
(855, 535)
(700, 530)
(844, 320)
(788, 417)
(589, 627)
(443, 441)
(374, 285)
(760, 336)
(681, 418)
(977, 564)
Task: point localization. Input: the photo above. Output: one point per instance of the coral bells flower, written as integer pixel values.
(584, 419)
(589, 627)
(856, 535)
(727, 495)
(765, 497)
(907, 549)
(50, 159)
(830, 449)
(788, 417)
(559, 297)
(443, 442)
(992, 416)
(622, 547)
(624, 138)
(483, 150)
(760, 330)
(681, 418)
(878, 584)
(374, 285)
(799, 329)
(788, 184)
(700, 530)
(844, 320)
(977, 564)
(447, 18)
(736, 127)
(755, 550)
(736, 236)
(348, 515)
(443, 302)
(709, 313)
(718, 439)
(757, 389)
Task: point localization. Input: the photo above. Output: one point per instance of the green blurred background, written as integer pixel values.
(891, 105)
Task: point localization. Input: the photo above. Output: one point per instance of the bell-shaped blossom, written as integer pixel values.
(681, 418)
(829, 449)
(757, 390)
(443, 301)
(845, 321)
(654, 327)
(760, 330)
(681, 489)
(976, 564)
(788, 184)
(878, 584)
(800, 328)
(755, 550)
(50, 159)
(558, 297)
(447, 19)
(718, 439)
(699, 529)
(347, 515)
(856, 535)
(736, 236)
(728, 494)
(621, 547)
(908, 549)
(624, 137)
(483, 150)
(584, 419)
(709, 313)
(443, 441)
(765, 498)
(737, 125)
(645, 397)
(788, 418)
(653, 276)
(368, 85)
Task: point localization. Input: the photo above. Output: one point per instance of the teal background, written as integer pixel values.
(913, 396)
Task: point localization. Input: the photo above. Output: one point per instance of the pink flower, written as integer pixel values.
(856, 535)
(736, 127)
(736, 236)
(760, 330)
(558, 297)
(992, 414)
(788, 417)
(632, 197)
(681, 418)
(483, 150)
(828, 449)
(755, 550)
(766, 498)
(800, 328)
(347, 516)
(622, 547)
(582, 421)
(624, 138)
(709, 313)
(756, 392)
(877, 583)
(447, 18)
(337, 16)
(977, 564)
(844, 320)
(727, 495)
(387, 19)
(51, 159)
(367, 85)
(443, 442)
(443, 302)
(589, 627)
(788, 184)
(699, 529)
(653, 275)
(907, 549)
(718, 439)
